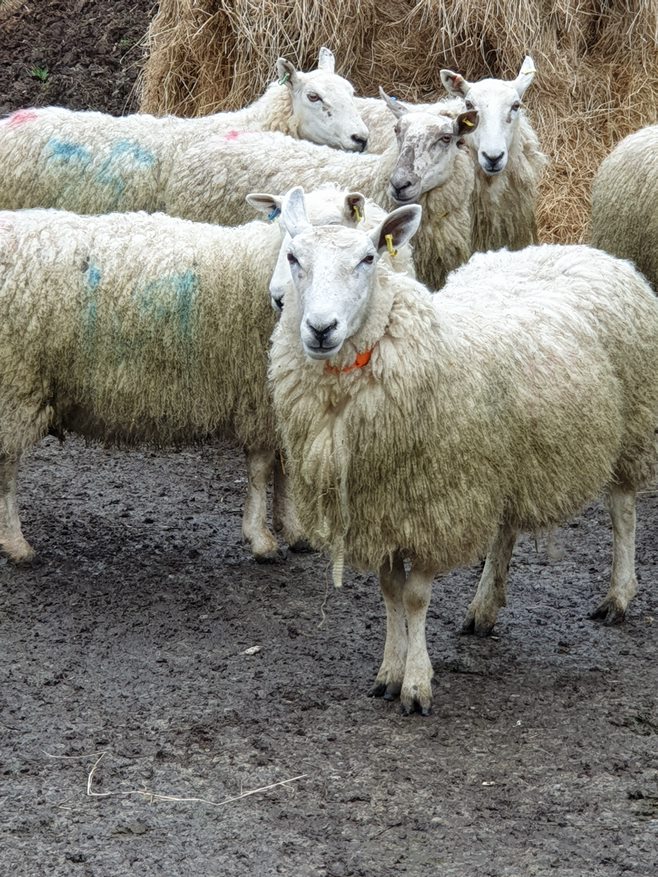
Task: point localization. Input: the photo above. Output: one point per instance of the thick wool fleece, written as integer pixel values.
(518, 392)
(215, 177)
(624, 198)
(90, 162)
(134, 328)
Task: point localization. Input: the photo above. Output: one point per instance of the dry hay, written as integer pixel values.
(7, 7)
(597, 65)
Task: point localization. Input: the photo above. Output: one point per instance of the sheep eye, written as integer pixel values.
(469, 105)
(368, 260)
(291, 259)
(314, 98)
(516, 105)
(445, 139)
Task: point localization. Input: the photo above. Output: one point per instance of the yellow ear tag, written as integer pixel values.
(468, 123)
(389, 245)
(357, 213)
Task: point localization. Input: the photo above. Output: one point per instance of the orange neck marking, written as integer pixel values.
(361, 360)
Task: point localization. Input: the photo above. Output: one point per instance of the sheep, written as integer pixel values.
(364, 210)
(624, 194)
(505, 149)
(427, 164)
(509, 159)
(91, 162)
(428, 430)
(134, 328)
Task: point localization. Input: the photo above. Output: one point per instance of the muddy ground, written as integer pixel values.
(127, 640)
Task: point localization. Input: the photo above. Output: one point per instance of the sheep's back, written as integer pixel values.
(624, 197)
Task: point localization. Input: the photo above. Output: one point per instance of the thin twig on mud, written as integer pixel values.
(156, 796)
(326, 597)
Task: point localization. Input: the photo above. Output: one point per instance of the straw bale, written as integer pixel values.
(597, 65)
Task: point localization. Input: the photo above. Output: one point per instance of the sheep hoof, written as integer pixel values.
(479, 628)
(301, 546)
(390, 691)
(415, 707)
(274, 556)
(608, 613)
(22, 556)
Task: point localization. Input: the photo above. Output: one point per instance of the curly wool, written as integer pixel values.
(90, 162)
(518, 392)
(624, 196)
(133, 328)
(217, 175)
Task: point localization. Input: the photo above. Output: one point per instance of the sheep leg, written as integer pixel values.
(392, 577)
(12, 540)
(491, 592)
(416, 694)
(254, 519)
(623, 584)
(284, 514)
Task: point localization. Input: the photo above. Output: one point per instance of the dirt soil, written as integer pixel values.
(131, 710)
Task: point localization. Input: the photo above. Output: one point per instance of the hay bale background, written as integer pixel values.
(597, 65)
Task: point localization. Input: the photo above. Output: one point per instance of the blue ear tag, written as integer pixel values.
(273, 214)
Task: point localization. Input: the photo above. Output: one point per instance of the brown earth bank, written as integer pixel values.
(128, 639)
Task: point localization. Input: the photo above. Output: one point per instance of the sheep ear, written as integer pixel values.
(293, 212)
(525, 77)
(466, 123)
(264, 203)
(355, 204)
(286, 72)
(454, 83)
(395, 106)
(326, 60)
(398, 228)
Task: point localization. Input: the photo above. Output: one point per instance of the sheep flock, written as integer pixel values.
(352, 289)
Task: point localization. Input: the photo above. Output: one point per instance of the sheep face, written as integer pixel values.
(323, 105)
(428, 147)
(325, 206)
(333, 272)
(498, 103)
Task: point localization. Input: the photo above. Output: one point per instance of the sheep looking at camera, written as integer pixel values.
(91, 162)
(435, 428)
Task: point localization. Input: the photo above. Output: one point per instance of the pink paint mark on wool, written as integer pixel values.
(22, 116)
(232, 135)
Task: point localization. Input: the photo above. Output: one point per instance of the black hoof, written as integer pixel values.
(301, 546)
(271, 557)
(379, 690)
(416, 707)
(608, 614)
(388, 692)
(470, 628)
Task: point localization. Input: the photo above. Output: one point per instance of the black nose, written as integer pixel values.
(321, 332)
(399, 189)
(493, 159)
(361, 142)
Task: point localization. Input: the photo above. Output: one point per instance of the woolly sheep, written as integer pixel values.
(505, 149)
(142, 328)
(92, 162)
(509, 159)
(428, 429)
(427, 165)
(624, 196)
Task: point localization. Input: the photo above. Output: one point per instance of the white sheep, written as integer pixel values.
(93, 162)
(142, 328)
(505, 149)
(432, 429)
(426, 165)
(624, 197)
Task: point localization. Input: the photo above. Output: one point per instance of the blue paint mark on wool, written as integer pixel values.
(92, 278)
(67, 152)
(125, 157)
(170, 300)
